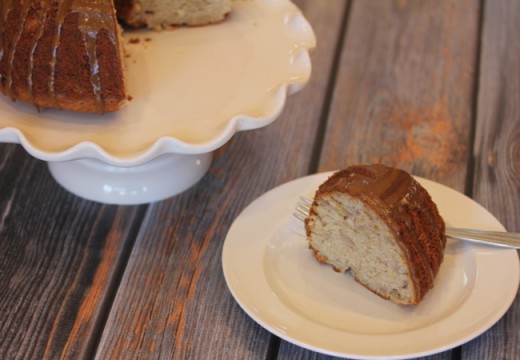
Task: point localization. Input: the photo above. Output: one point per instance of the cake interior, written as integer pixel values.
(351, 236)
(160, 14)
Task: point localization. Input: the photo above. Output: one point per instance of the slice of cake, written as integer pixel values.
(158, 14)
(382, 225)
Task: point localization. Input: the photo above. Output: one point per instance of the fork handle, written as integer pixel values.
(503, 239)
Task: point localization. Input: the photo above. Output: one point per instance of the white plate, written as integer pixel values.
(276, 280)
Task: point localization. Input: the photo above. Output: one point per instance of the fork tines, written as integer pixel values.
(302, 208)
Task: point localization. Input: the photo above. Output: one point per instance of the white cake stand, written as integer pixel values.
(192, 89)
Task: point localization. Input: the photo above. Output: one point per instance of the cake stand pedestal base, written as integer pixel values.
(158, 179)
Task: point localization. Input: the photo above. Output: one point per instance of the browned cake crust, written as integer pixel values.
(62, 54)
(401, 203)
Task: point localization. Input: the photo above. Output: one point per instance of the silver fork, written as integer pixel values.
(494, 238)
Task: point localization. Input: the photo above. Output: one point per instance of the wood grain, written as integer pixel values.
(497, 153)
(173, 302)
(404, 88)
(497, 145)
(58, 262)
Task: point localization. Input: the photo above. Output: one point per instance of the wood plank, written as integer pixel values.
(173, 302)
(403, 95)
(497, 144)
(405, 87)
(60, 255)
(497, 153)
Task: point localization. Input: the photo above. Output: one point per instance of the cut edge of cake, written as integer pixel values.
(160, 15)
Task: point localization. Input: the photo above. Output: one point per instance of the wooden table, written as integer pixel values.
(429, 86)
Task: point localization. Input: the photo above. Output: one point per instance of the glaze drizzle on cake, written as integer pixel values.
(68, 54)
(62, 54)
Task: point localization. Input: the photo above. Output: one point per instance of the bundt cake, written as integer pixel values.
(63, 54)
(158, 14)
(382, 225)
(68, 54)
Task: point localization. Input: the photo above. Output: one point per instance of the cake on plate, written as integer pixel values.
(383, 226)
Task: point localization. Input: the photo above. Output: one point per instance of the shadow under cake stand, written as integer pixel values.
(192, 89)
